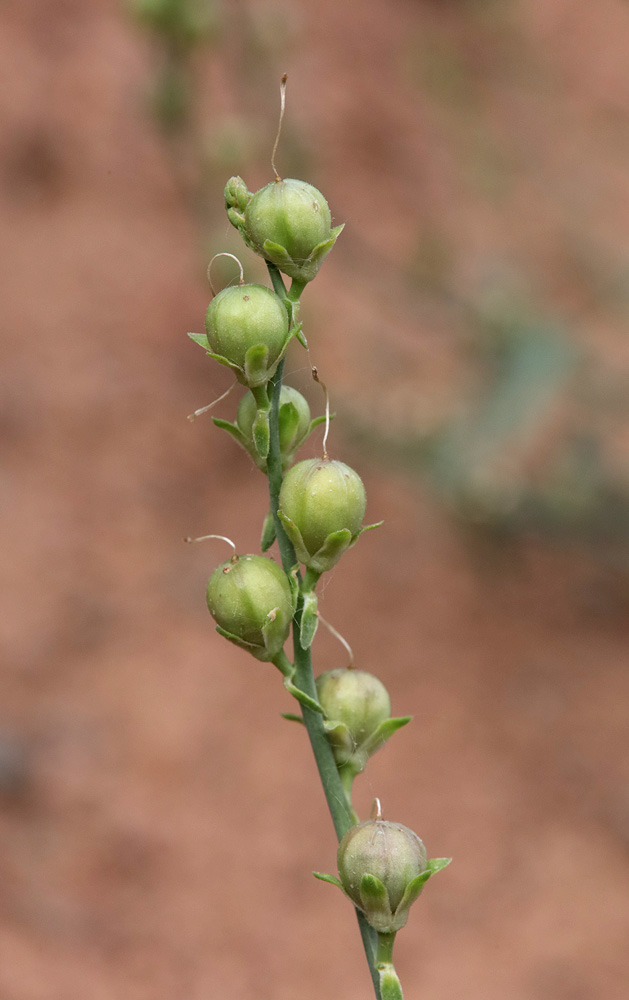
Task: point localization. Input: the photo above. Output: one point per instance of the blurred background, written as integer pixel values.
(158, 819)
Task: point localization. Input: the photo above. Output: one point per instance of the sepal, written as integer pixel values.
(332, 549)
(332, 879)
(384, 732)
(268, 532)
(375, 900)
(309, 620)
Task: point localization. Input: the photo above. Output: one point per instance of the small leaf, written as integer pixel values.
(302, 697)
(200, 338)
(332, 879)
(309, 620)
(256, 365)
(292, 718)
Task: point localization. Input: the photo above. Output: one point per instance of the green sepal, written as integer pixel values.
(261, 433)
(302, 697)
(273, 631)
(294, 534)
(415, 886)
(368, 527)
(309, 620)
(384, 732)
(288, 420)
(256, 365)
(317, 421)
(341, 741)
(293, 582)
(236, 218)
(331, 551)
(301, 337)
(412, 892)
(279, 255)
(332, 879)
(292, 718)
(249, 646)
(438, 864)
(268, 532)
(323, 249)
(375, 900)
(201, 339)
(232, 429)
(229, 364)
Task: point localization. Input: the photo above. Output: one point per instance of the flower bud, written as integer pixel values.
(322, 505)
(378, 854)
(294, 423)
(247, 329)
(288, 222)
(251, 601)
(356, 704)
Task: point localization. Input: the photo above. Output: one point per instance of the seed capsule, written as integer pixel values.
(243, 317)
(294, 422)
(287, 222)
(389, 853)
(356, 704)
(250, 599)
(322, 505)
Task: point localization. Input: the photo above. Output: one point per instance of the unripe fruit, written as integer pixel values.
(292, 431)
(320, 498)
(250, 599)
(357, 703)
(290, 213)
(288, 222)
(386, 851)
(245, 316)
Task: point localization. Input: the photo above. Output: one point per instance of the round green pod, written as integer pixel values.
(292, 214)
(244, 316)
(242, 593)
(358, 700)
(291, 436)
(389, 851)
(321, 496)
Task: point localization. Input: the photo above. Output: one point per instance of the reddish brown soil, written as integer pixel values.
(159, 821)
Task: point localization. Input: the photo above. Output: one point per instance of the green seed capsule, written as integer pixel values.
(322, 505)
(242, 317)
(355, 703)
(294, 421)
(250, 599)
(288, 222)
(389, 853)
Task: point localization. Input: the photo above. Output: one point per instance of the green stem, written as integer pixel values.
(340, 810)
(347, 775)
(390, 986)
